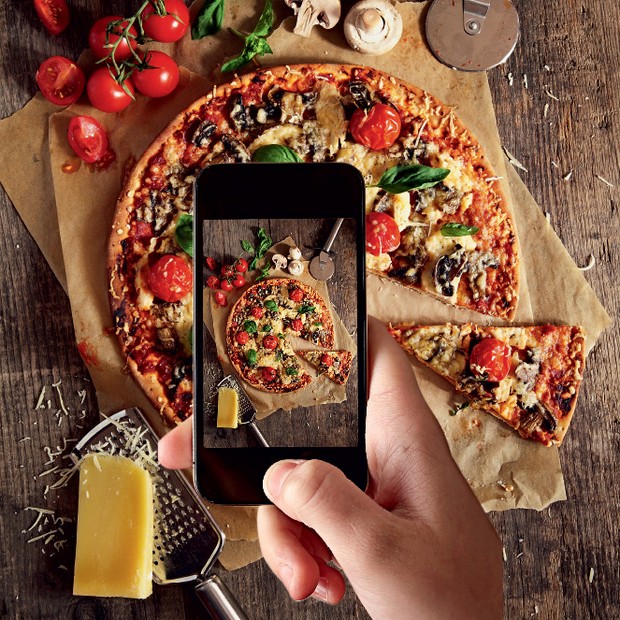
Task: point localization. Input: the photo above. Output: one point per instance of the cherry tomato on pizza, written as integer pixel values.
(170, 278)
(490, 359)
(297, 325)
(242, 337)
(166, 28)
(87, 138)
(213, 282)
(102, 38)
(60, 80)
(296, 294)
(270, 342)
(382, 234)
(54, 14)
(159, 77)
(106, 94)
(376, 128)
(268, 374)
(326, 360)
(220, 298)
(257, 312)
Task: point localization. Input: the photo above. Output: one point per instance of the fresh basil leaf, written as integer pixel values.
(266, 328)
(250, 356)
(264, 242)
(398, 179)
(184, 233)
(265, 21)
(264, 273)
(209, 20)
(247, 246)
(276, 153)
(453, 229)
(305, 309)
(250, 327)
(271, 305)
(292, 372)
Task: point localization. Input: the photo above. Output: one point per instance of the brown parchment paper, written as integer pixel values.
(485, 450)
(320, 390)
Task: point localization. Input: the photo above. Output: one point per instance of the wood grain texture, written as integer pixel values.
(549, 554)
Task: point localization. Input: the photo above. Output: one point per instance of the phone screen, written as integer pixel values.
(280, 361)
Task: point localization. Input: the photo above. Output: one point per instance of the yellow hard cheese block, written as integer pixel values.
(227, 408)
(114, 529)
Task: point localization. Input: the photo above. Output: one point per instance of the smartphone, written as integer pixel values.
(280, 323)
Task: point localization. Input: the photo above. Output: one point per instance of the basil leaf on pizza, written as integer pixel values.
(453, 229)
(276, 153)
(399, 179)
(184, 233)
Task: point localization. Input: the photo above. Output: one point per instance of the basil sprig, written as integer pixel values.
(276, 153)
(183, 233)
(250, 356)
(305, 309)
(398, 179)
(250, 327)
(271, 305)
(209, 20)
(454, 229)
(255, 43)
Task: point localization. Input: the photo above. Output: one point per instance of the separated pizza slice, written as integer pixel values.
(528, 377)
(335, 365)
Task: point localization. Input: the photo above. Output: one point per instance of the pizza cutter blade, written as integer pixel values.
(187, 541)
(321, 267)
(472, 35)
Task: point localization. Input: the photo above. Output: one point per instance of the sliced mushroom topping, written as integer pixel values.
(538, 417)
(448, 271)
(236, 149)
(310, 13)
(477, 264)
(410, 256)
(361, 95)
(239, 115)
(166, 339)
(202, 133)
(526, 374)
(156, 210)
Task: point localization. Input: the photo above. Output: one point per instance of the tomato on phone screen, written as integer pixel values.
(490, 359)
(60, 80)
(54, 14)
(87, 138)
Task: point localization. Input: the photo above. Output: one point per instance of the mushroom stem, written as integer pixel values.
(372, 21)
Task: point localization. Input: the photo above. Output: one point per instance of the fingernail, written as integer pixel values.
(322, 590)
(275, 477)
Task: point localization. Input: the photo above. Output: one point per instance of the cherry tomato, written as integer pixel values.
(100, 40)
(54, 14)
(490, 358)
(160, 78)
(211, 263)
(270, 342)
(326, 360)
(168, 28)
(60, 80)
(170, 278)
(296, 294)
(227, 271)
(297, 325)
(242, 337)
(382, 234)
(376, 128)
(240, 265)
(106, 94)
(239, 281)
(268, 374)
(226, 285)
(87, 138)
(257, 312)
(213, 282)
(220, 298)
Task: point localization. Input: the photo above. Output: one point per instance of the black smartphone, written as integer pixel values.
(280, 324)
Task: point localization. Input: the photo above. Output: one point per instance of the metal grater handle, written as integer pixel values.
(218, 600)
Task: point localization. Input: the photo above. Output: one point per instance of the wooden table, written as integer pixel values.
(560, 563)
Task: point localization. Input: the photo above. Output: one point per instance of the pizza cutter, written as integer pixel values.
(187, 541)
(472, 35)
(321, 267)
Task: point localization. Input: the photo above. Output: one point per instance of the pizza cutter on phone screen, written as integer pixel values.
(187, 541)
(321, 267)
(472, 35)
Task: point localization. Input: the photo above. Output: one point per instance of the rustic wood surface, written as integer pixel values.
(561, 563)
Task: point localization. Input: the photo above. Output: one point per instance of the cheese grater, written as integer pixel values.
(187, 541)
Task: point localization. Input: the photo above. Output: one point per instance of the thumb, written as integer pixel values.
(324, 499)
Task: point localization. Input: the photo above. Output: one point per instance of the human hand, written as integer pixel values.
(417, 544)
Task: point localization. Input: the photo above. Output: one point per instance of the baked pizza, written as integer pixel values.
(258, 327)
(528, 377)
(437, 219)
(335, 365)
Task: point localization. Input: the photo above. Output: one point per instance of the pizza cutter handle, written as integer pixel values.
(218, 600)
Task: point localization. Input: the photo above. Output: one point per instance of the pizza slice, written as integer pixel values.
(335, 365)
(528, 377)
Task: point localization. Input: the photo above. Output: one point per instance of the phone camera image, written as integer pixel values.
(280, 306)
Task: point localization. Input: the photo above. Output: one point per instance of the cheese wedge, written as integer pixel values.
(114, 529)
(227, 408)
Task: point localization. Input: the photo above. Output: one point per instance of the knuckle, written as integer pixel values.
(310, 487)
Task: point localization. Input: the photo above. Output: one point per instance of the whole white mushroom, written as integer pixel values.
(324, 13)
(295, 267)
(373, 27)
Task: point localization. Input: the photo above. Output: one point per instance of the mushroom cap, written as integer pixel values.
(295, 267)
(373, 27)
(279, 261)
